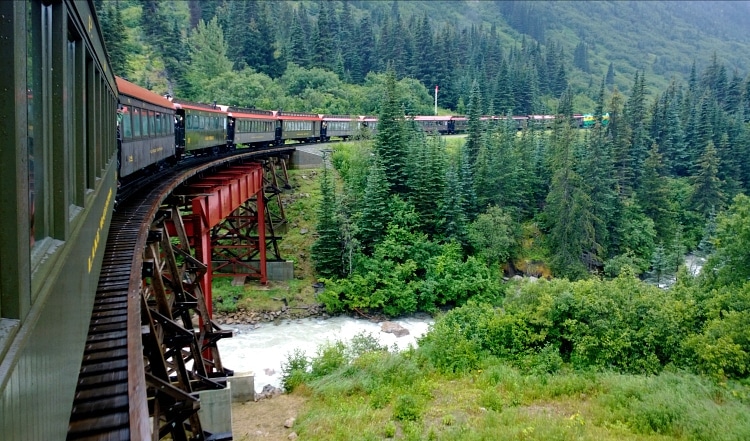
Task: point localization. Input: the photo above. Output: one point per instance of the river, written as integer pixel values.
(261, 349)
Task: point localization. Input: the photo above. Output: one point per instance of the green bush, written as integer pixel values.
(329, 358)
(294, 371)
(407, 408)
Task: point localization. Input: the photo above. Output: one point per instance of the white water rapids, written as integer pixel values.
(261, 350)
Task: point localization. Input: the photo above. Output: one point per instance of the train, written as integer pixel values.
(148, 139)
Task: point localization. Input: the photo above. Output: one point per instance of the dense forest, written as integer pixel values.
(316, 55)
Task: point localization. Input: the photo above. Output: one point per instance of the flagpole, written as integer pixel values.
(436, 91)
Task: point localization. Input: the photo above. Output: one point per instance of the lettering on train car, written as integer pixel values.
(102, 219)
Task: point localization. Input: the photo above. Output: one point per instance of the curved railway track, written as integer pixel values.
(144, 358)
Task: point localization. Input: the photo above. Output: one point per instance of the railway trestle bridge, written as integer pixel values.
(152, 344)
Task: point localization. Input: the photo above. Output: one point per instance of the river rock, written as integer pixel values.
(394, 328)
(269, 391)
(289, 423)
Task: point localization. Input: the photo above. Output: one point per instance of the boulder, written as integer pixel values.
(394, 328)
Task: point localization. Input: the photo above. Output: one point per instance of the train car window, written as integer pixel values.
(36, 150)
(126, 126)
(151, 124)
(158, 126)
(74, 114)
(136, 122)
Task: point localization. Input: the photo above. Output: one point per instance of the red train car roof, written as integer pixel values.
(198, 106)
(294, 116)
(127, 88)
(338, 117)
(238, 112)
(433, 118)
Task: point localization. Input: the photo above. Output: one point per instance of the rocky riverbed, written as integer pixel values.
(250, 317)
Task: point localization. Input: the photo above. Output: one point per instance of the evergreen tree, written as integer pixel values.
(659, 263)
(568, 209)
(619, 134)
(323, 39)
(707, 195)
(610, 79)
(366, 47)
(706, 245)
(653, 195)
(426, 180)
(475, 124)
(424, 58)
(115, 38)
(349, 43)
(298, 51)
(597, 171)
(635, 116)
(389, 142)
(581, 57)
(326, 252)
(466, 176)
(485, 176)
(729, 171)
(374, 213)
(208, 54)
(454, 223)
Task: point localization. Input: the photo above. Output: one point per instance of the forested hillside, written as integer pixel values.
(284, 54)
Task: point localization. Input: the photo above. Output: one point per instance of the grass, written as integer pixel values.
(383, 395)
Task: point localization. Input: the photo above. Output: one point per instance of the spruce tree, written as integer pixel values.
(707, 193)
(568, 210)
(374, 214)
(475, 124)
(390, 143)
(298, 51)
(653, 194)
(635, 116)
(326, 252)
(454, 224)
(618, 133)
(610, 79)
(323, 39)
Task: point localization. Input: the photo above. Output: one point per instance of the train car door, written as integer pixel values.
(179, 132)
(277, 132)
(231, 121)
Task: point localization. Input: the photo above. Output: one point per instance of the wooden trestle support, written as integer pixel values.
(179, 337)
(180, 355)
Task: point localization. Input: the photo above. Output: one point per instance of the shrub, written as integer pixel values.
(329, 358)
(407, 408)
(294, 371)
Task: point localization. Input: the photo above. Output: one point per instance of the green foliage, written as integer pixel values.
(295, 370)
(676, 406)
(731, 262)
(623, 324)
(208, 55)
(327, 251)
(407, 408)
(495, 236)
(329, 358)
